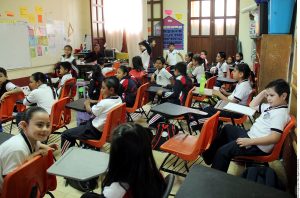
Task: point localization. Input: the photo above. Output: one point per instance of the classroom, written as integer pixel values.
(148, 98)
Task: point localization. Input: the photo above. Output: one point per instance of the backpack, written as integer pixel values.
(263, 175)
(163, 133)
(83, 186)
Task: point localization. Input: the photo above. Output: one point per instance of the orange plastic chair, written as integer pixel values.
(115, 117)
(116, 65)
(33, 174)
(139, 102)
(243, 119)
(274, 155)
(210, 83)
(189, 147)
(110, 73)
(68, 89)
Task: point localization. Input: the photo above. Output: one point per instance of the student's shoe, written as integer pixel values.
(207, 158)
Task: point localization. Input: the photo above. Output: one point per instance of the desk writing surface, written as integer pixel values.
(207, 92)
(210, 183)
(154, 89)
(77, 105)
(4, 137)
(80, 164)
(226, 80)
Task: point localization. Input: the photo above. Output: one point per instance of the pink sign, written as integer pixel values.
(168, 12)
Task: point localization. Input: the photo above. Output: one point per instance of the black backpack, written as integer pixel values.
(163, 133)
(263, 175)
(83, 186)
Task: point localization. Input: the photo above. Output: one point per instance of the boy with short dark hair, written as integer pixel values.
(171, 57)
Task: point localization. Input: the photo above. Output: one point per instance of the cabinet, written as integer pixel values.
(273, 52)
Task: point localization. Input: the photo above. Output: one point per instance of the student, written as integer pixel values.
(138, 70)
(95, 84)
(178, 93)
(161, 76)
(203, 55)
(6, 87)
(239, 95)
(239, 58)
(222, 68)
(95, 55)
(188, 57)
(41, 94)
(65, 73)
(145, 50)
(68, 57)
(230, 63)
(263, 135)
(27, 144)
(172, 53)
(128, 88)
(132, 170)
(92, 129)
(197, 68)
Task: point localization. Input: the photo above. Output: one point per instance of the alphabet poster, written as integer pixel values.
(173, 32)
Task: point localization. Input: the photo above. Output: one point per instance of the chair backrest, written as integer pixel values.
(189, 98)
(57, 113)
(210, 83)
(115, 117)
(68, 89)
(22, 180)
(67, 115)
(110, 73)
(169, 181)
(116, 65)
(250, 96)
(208, 132)
(277, 147)
(140, 96)
(7, 106)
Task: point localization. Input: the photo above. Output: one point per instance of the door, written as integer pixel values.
(213, 26)
(98, 34)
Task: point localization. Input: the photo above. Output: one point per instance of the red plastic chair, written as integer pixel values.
(32, 174)
(110, 73)
(115, 117)
(189, 147)
(274, 155)
(139, 101)
(116, 65)
(68, 89)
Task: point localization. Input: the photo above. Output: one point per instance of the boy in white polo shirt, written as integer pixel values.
(172, 53)
(263, 135)
(161, 76)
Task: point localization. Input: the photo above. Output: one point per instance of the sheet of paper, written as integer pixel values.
(239, 109)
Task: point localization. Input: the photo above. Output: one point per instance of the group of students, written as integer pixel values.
(132, 170)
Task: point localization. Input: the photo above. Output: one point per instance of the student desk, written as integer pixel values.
(211, 183)
(4, 136)
(154, 89)
(226, 80)
(80, 164)
(207, 92)
(77, 105)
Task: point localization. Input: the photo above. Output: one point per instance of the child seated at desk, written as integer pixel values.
(65, 73)
(161, 76)
(128, 86)
(138, 70)
(182, 85)
(132, 170)
(197, 69)
(6, 87)
(92, 129)
(263, 135)
(27, 144)
(68, 57)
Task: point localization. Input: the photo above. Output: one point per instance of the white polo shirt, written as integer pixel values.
(198, 71)
(63, 81)
(70, 60)
(145, 59)
(42, 96)
(115, 190)
(163, 77)
(172, 57)
(241, 92)
(101, 109)
(270, 119)
(13, 153)
(222, 69)
(10, 86)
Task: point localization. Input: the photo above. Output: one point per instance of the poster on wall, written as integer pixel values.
(173, 33)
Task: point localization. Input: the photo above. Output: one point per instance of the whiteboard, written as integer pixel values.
(14, 46)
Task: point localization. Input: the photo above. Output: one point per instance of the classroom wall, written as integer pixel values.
(75, 12)
(181, 7)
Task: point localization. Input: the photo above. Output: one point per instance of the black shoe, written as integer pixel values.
(207, 158)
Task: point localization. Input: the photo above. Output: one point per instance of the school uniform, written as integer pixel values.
(42, 97)
(128, 90)
(222, 68)
(224, 147)
(13, 153)
(145, 56)
(63, 81)
(92, 129)
(198, 71)
(7, 86)
(172, 57)
(71, 60)
(137, 75)
(162, 77)
(115, 190)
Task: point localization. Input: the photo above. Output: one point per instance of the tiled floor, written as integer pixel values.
(63, 191)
